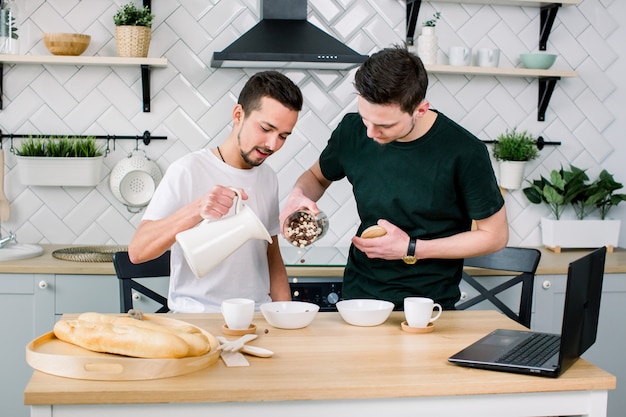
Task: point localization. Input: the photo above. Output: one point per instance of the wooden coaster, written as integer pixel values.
(229, 332)
(409, 329)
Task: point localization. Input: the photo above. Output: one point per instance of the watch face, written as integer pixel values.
(409, 260)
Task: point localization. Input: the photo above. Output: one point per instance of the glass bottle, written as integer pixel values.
(8, 27)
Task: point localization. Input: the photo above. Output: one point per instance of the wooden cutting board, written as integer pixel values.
(51, 355)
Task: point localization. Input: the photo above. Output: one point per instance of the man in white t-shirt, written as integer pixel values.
(197, 187)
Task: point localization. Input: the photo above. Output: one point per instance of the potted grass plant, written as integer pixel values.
(512, 150)
(588, 202)
(133, 26)
(60, 161)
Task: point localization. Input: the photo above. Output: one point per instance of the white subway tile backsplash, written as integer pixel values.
(192, 102)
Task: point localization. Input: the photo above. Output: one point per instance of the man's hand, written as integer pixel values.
(217, 202)
(391, 246)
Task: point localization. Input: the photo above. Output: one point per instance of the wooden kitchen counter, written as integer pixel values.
(551, 263)
(331, 360)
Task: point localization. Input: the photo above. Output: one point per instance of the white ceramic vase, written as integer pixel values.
(427, 45)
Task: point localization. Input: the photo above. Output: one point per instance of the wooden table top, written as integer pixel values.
(329, 360)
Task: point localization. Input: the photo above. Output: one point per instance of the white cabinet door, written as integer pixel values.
(28, 304)
(81, 293)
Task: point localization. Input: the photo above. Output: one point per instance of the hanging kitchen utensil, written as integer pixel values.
(133, 181)
(4, 201)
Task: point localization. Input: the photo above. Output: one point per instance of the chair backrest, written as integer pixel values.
(127, 273)
(523, 261)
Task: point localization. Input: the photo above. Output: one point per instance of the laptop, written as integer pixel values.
(504, 350)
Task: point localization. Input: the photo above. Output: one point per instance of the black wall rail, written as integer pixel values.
(145, 138)
(541, 142)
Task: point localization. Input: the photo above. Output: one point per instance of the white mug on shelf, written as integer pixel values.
(459, 55)
(488, 57)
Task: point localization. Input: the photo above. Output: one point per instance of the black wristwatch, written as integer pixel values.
(410, 257)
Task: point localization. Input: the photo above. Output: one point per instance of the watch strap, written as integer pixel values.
(411, 250)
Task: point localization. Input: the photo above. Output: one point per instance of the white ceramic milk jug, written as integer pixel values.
(212, 241)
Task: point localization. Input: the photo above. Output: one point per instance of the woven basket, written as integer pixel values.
(132, 41)
(88, 253)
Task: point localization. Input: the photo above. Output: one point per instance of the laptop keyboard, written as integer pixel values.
(533, 351)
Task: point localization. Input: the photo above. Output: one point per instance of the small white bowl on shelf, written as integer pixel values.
(364, 312)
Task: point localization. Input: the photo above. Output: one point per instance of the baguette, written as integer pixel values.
(198, 342)
(132, 337)
(121, 339)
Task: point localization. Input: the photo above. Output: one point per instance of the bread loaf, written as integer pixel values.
(130, 337)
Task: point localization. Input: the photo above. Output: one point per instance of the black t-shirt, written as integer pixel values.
(431, 187)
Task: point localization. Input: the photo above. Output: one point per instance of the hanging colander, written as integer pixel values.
(133, 181)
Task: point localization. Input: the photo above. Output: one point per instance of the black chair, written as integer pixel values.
(127, 273)
(521, 260)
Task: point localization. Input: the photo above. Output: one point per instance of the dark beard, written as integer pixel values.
(246, 155)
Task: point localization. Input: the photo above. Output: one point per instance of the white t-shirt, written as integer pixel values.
(245, 273)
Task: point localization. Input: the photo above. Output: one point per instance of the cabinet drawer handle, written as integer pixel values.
(136, 296)
(43, 285)
(546, 285)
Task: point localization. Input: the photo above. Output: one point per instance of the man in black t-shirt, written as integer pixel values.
(417, 174)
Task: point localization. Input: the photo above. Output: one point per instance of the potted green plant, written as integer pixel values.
(8, 28)
(512, 150)
(571, 188)
(60, 161)
(133, 26)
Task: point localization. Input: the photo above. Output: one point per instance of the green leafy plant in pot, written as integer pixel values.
(512, 150)
(559, 191)
(571, 188)
(133, 26)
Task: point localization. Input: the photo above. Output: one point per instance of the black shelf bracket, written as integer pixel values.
(412, 10)
(546, 87)
(548, 14)
(145, 87)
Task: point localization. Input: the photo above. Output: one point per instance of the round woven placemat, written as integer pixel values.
(88, 253)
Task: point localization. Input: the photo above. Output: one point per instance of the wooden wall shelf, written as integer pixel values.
(144, 63)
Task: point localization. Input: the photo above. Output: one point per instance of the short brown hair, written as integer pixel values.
(271, 84)
(393, 76)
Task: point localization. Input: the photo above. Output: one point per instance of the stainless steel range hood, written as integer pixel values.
(284, 39)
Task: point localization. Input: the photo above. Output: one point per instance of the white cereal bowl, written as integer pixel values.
(364, 312)
(289, 314)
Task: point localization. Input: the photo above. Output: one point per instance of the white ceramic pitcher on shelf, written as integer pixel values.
(212, 241)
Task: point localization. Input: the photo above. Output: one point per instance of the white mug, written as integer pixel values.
(459, 55)
(238, 313)
(419, 311)
(488, 57)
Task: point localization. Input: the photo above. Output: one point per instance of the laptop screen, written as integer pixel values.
(582, 305)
